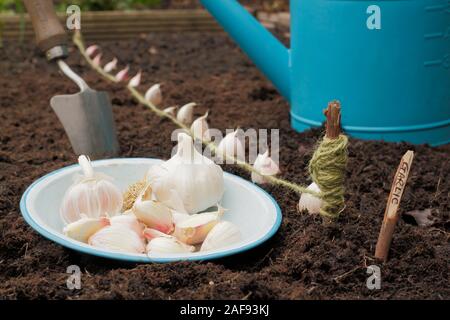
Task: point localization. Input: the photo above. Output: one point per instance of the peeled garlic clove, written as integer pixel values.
(223, 234)
(92, 49)
(82, 229)
(93, 195)
(122, 75)
(200, 128)
(110, 66)
(136, 80)
(153, 214)
(265, 166)
(154, 95)
(185, 113)
(150, 234)
(168, 245)
(310, 202)
(231, 146)
(118, 238)
(128, 220)
(188, 182)
(171, 111)
(194, 229)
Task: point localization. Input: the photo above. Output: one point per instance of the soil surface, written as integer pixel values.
(306, 259)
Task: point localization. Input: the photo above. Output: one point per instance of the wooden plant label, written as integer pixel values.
(391, 215)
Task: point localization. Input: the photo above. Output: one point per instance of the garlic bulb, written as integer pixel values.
(200, 128)
(171, 111)
(223, 234)
(92, 49)
(179, 217)
(154, 95)
(85, 227)
(128, 220)
(93, 195)
(168, 245)
(195, 229)
(188, 182)
(310, 202)
(153, 213)
(185, 113)
(231, 146)
(118, 238)
(265, 166)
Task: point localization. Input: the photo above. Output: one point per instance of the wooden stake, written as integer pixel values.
(391, 215)
(333, 114)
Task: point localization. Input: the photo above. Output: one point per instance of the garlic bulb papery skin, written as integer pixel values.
(152, 213)
(265, 166)
(222, 234)
(85, 227)
(154, 95)
(310, 202)
(188, 182)
(186, 113)
(118, 238)
(93, 194)
(231, 146)
(179, 217)
(200, 128)
(167, 245)
(130, 221)
(195, 229)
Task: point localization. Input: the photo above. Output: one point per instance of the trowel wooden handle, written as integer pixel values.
(48, 29)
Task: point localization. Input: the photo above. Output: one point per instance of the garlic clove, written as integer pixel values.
(309, 202)
(122, 75)
(265, 166)
(168, 245)
(154, 95)
(85, 227)
(150, 234)
(200, 128)
(188, 182)
(128, 220)
(93, 195)
(136, 80)
(152, 213)
(179, 217)
(172, 111)
(221, 235)
(231, 146)
(92, 49)
(193, 230)
(110, 66)
(118, 238)
(97, 61)
(186, 112)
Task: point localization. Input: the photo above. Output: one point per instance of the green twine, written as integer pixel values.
(327, 170)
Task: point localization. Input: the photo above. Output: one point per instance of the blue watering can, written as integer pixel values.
(388, 62)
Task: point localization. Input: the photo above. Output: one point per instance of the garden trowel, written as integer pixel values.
(86, 116)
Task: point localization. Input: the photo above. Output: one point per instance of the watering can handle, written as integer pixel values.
(50, 35)
(266, 51)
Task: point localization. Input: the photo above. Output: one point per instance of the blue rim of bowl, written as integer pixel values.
(138, 258)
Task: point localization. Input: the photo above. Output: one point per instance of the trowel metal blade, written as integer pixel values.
(88, 120)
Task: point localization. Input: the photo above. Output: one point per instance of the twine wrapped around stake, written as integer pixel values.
(328, 163)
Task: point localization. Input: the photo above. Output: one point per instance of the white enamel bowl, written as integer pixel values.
(254, 211)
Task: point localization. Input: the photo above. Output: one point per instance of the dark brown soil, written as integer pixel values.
(304, 260)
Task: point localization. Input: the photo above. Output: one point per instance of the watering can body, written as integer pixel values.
(388, 62)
